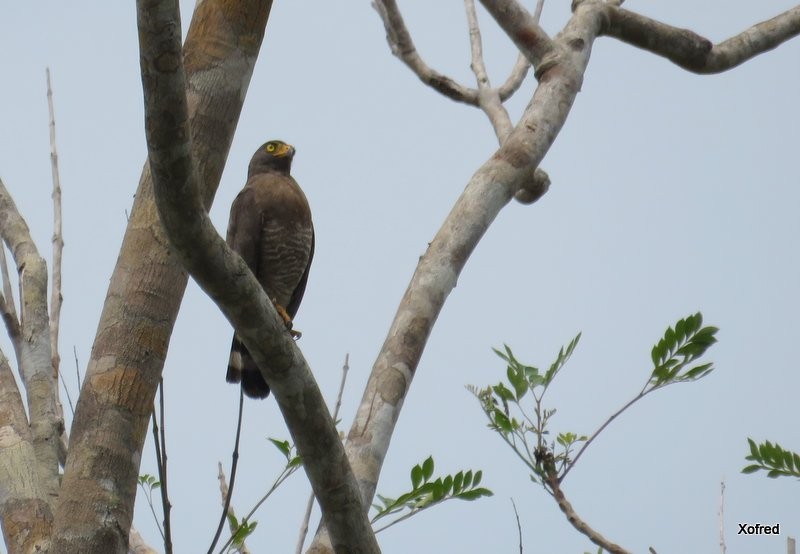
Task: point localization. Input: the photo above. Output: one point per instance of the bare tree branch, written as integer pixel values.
(692, 51)
(515, 78)
(225, 278)
(488, 97)
(55, 294)
(35, 358)
(520, 70)
(402, 46)
(145, 292)
(224, 492)
(24, 511)
(523, 29)
(58, 238)
(580, 525)
(488, 191)
(310, 504)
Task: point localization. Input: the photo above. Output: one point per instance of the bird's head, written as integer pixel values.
(274, 155)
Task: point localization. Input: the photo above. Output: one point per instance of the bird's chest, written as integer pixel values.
(284, 255)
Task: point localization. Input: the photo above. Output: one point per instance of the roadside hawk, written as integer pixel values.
(270, 227)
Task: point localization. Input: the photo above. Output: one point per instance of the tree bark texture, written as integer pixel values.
(29, 490)
(99, 485)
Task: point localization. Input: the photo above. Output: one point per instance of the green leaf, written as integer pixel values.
(477, 479)
(751, 468)
(232, 521)
(474, 494)
(501, 421)
(518, 381)
(427, 468)
(447, 484)
(283, 446)
(416, 476)
(458, 482)
(503, 393)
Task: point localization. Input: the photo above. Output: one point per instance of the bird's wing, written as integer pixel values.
(297, 295)
(244, 228)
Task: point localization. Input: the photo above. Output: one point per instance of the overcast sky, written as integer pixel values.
(671, 193)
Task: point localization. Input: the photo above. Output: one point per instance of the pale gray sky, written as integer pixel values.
(671, 193)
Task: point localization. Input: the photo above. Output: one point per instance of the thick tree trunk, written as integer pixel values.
(96, 501)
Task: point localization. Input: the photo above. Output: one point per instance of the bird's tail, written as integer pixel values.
(242, 368)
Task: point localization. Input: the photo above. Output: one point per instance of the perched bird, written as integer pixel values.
(270, 227)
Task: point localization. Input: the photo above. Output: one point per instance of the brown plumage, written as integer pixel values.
(270, 227)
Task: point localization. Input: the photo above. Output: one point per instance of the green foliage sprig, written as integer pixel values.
(773, 459)
(241, 529)
(427, 491)
(526, 433)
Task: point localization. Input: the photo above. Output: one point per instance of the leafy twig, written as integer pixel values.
(773, 459)
(426, 492)
(243, 528)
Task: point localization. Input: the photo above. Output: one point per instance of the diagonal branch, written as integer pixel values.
(694, 52)
(488, 191)
(523, 28)
(225, 278)
(575, 520)
(402, 46)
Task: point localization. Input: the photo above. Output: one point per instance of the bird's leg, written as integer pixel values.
(286, 320)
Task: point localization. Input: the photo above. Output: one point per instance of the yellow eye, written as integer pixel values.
(270, 147)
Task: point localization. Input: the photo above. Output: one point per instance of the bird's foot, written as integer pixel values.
(287, 320)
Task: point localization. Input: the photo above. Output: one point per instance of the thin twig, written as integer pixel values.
(310, 504)
(722, 546)
(161, 472)
(573, 518)
(66, 391)
(488, 98)
(162, 467)
(402, 46)
(600, 430)
(234, 464)
(519, 527)
(56, 297)
(521, 67)
(223, 491)
(77, 368)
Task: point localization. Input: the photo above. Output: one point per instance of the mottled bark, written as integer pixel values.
(35, 364)
(223, 274)
(26, 516)
(99, 486)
